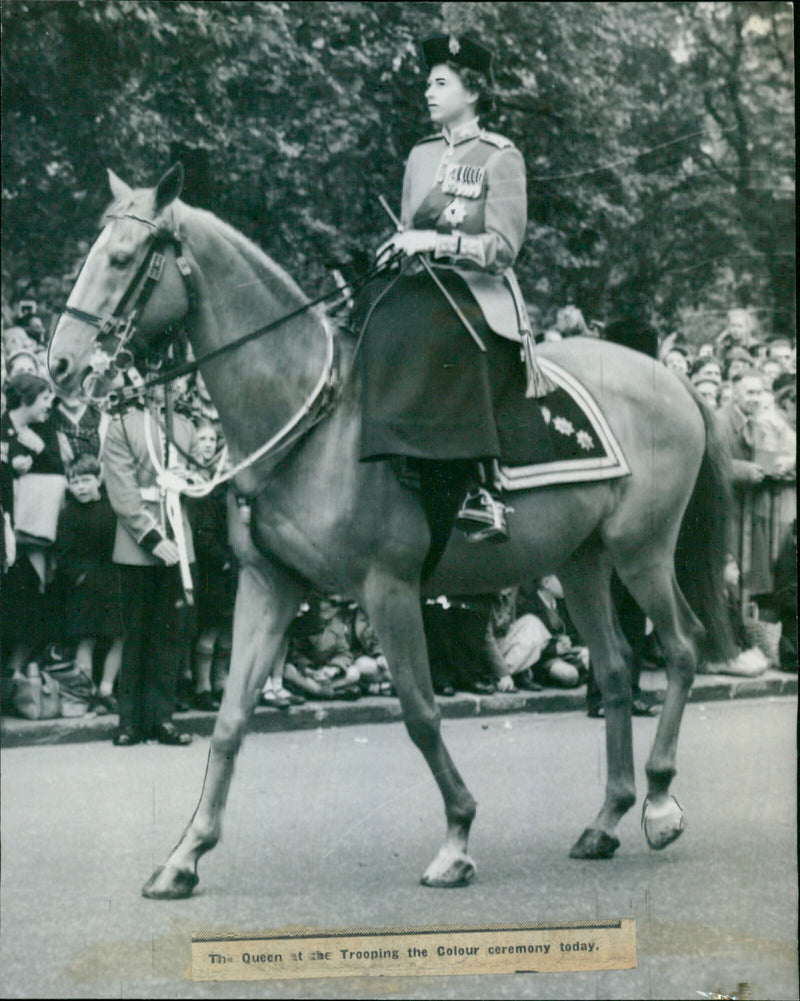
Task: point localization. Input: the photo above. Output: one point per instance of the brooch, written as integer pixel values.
(456, 212)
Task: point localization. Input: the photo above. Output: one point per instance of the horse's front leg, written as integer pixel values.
(266, 600)
(394, 610)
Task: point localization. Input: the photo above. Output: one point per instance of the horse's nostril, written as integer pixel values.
(59, 369)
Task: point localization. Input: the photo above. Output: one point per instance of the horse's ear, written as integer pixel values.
(170, 186)
(119, 189)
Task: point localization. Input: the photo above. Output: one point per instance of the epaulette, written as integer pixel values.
(430, 138)
(495, 140)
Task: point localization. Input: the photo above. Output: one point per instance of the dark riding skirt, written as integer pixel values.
(425, 383)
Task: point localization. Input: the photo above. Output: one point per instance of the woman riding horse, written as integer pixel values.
(427, 391)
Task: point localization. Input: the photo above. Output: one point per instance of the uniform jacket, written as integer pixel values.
(128, 471)
(469, 185)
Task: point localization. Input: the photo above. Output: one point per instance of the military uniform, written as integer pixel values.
(469, 186)
(426, 384)
(156, 623)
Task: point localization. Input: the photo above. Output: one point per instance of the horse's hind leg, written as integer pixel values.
(394, 610)
(656, 590)
(587, 586)
(266, 600)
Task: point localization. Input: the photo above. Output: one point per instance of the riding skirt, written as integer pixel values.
(426, 389)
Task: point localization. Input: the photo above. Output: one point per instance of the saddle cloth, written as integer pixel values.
(560, 438)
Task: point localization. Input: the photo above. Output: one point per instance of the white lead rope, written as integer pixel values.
(171, 485)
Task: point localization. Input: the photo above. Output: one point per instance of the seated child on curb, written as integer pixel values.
(84, 546)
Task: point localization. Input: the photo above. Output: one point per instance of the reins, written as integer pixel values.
(187, 368)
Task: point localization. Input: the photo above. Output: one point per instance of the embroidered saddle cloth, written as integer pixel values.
(560, 438)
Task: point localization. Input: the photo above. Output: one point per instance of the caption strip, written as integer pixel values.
(536, 948)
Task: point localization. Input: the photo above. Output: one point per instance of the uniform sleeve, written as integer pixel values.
(119, 476)
(406, 214)
(505, 218)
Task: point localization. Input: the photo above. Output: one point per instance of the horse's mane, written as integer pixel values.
(279, 281)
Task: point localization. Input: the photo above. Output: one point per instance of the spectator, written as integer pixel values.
(737, 361)
(564, 661)
(456, 631)
(84, 546)
(20, 361)
(216, 575)
(748, 661)
(677, 361)
(370, 661)
(28, 445)
(737, 423)
(738, 333)
(780, 349)
(320, 653)
(514, 643)
(707, 390)
(709, 369)
(80, 428)
(16, 339)
(725, 395)
(570, 323)
(157, 626)
(785, 392)
(770, 368)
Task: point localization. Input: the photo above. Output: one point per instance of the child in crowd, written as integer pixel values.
(216, 576)
(90, 581)
(321, 662)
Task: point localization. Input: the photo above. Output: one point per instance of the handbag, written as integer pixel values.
(764, 635)
(37, 503)
(35, 697)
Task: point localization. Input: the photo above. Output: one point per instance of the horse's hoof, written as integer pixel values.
(171, 884)
(449, 872)
(594, 843)
(662, 824)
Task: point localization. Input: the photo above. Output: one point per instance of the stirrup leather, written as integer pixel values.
(482, 517)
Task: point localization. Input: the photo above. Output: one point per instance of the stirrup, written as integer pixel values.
(482, 517)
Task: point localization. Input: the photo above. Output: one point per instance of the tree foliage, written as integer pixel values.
(658, 137)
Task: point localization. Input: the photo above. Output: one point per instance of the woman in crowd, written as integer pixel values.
(29, 445)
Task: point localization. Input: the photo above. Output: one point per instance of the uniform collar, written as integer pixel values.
(460, 134)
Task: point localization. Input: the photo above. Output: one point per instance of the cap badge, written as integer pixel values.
(454, 45)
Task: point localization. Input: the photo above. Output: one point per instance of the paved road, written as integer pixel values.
(333, 828)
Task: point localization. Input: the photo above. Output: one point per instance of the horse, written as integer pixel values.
(318, 517)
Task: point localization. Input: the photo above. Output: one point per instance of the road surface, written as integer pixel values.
(333, 829)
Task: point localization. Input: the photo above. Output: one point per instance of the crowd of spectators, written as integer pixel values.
(61, 595)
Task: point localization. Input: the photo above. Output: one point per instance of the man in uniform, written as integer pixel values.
(149, 549)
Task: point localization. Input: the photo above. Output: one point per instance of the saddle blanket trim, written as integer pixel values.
(610, 466)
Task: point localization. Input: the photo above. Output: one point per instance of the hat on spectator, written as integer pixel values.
(459, 49)
(738, 354)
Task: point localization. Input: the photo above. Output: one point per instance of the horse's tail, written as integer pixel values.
(703, 542)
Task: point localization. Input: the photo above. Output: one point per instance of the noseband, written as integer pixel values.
(119, 326)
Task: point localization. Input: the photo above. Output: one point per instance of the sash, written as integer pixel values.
(464, 178)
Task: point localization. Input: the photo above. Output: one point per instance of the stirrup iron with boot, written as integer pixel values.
(482, 516)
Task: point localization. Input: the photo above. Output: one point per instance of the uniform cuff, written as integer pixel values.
(151, 540)
(447, 245)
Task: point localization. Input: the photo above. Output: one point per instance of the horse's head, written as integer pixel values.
(129, 291)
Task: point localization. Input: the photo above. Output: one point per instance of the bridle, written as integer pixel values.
(113, 357)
